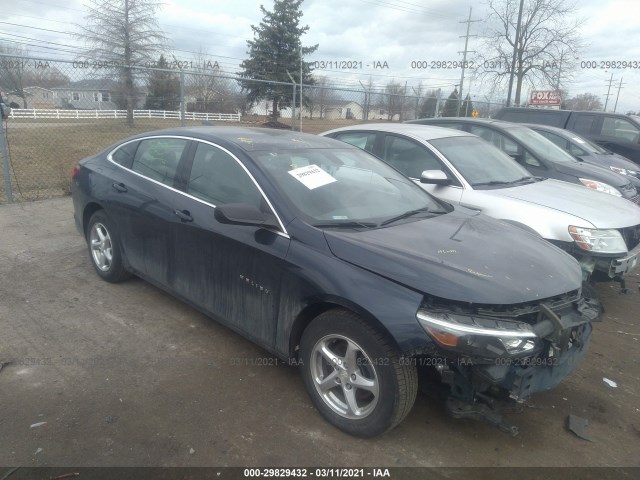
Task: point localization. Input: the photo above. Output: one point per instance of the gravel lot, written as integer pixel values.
(125, 375)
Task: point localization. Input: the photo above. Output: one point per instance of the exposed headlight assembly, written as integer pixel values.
(479, 336)
(600, 187)
(596, 240)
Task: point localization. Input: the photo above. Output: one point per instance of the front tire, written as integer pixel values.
(354, 375)
(104, 248)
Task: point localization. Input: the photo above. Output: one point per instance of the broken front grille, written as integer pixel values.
(631, 236)
(526, 312)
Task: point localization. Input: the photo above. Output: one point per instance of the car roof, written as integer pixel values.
(424, 132)
(251, 138)
(549, 128)
(477, 121)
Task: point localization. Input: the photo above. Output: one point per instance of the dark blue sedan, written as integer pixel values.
(330, 258)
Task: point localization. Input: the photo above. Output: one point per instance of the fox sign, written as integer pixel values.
(544, 97)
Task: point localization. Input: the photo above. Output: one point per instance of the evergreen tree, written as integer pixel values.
(274, 51)
(428, 109)
(163, 88)
(467, 107)
(451, 105)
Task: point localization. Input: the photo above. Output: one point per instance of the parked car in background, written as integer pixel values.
(587, 151)
(540, 156)
(602, 231)
(613, 131)
(335, 262)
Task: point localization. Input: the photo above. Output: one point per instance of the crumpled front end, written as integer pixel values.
(519, 349)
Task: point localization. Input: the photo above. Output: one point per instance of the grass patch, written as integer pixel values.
(43, 152)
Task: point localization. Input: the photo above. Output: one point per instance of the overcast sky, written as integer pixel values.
(393, 31)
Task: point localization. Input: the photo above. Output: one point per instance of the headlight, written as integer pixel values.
(601, 187)
(595, 240)
(481, 336)
(621, 171)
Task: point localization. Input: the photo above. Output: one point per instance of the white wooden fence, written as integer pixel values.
(34, 113)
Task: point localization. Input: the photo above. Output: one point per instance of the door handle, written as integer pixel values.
(183, 215)
(119, 187)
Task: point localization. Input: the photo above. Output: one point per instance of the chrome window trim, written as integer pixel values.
(282, 233)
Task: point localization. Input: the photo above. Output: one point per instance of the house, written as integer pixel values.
(35, 97)
(348, 110)
(90, 94)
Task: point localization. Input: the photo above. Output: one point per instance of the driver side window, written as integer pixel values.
(217, 178)
(409, 157)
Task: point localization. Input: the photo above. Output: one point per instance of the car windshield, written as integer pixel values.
(540, 146)
(479, 162)
(345, 187)
(590, 146)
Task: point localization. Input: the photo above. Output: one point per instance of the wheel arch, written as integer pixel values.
(89, 209)
(312, 311)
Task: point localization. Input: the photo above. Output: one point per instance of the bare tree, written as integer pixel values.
(584, 101)
(395, 95)
(319, 96)
(546, 47)
(205, 85)
(121, 35)
(14, 71)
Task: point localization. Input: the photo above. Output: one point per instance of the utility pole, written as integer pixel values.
(300, 124)
(464, 58)
(608, 93)
(618, 95)
(5, 160)
(437, 112)
(515, 53)
(293, 104)
(367, 100)
(417, 94)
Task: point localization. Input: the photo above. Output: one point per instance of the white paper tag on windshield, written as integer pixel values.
(312, 176)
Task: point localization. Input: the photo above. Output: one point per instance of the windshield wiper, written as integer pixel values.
(408, 214)
(345, 224)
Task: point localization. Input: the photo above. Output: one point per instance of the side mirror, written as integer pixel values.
(435, 177)
(243, 214)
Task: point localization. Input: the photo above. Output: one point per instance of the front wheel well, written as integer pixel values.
(311, 312)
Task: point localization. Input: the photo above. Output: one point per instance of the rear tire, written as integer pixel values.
(104, 248)
(354, 375)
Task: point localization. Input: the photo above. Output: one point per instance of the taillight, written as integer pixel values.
(74, 172)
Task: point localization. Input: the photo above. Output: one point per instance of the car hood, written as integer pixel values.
(462, 257)
(599, 209)
(592, 172)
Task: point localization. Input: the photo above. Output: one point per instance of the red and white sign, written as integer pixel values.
(544, 97)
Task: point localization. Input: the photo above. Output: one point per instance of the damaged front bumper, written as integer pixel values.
(521, 350)
(522, 377)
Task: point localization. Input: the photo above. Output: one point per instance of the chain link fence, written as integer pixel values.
(63, 111)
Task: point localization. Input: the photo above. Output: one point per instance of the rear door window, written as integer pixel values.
(124, 155)
(584, 123)
(620, 128)
(158, 158)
